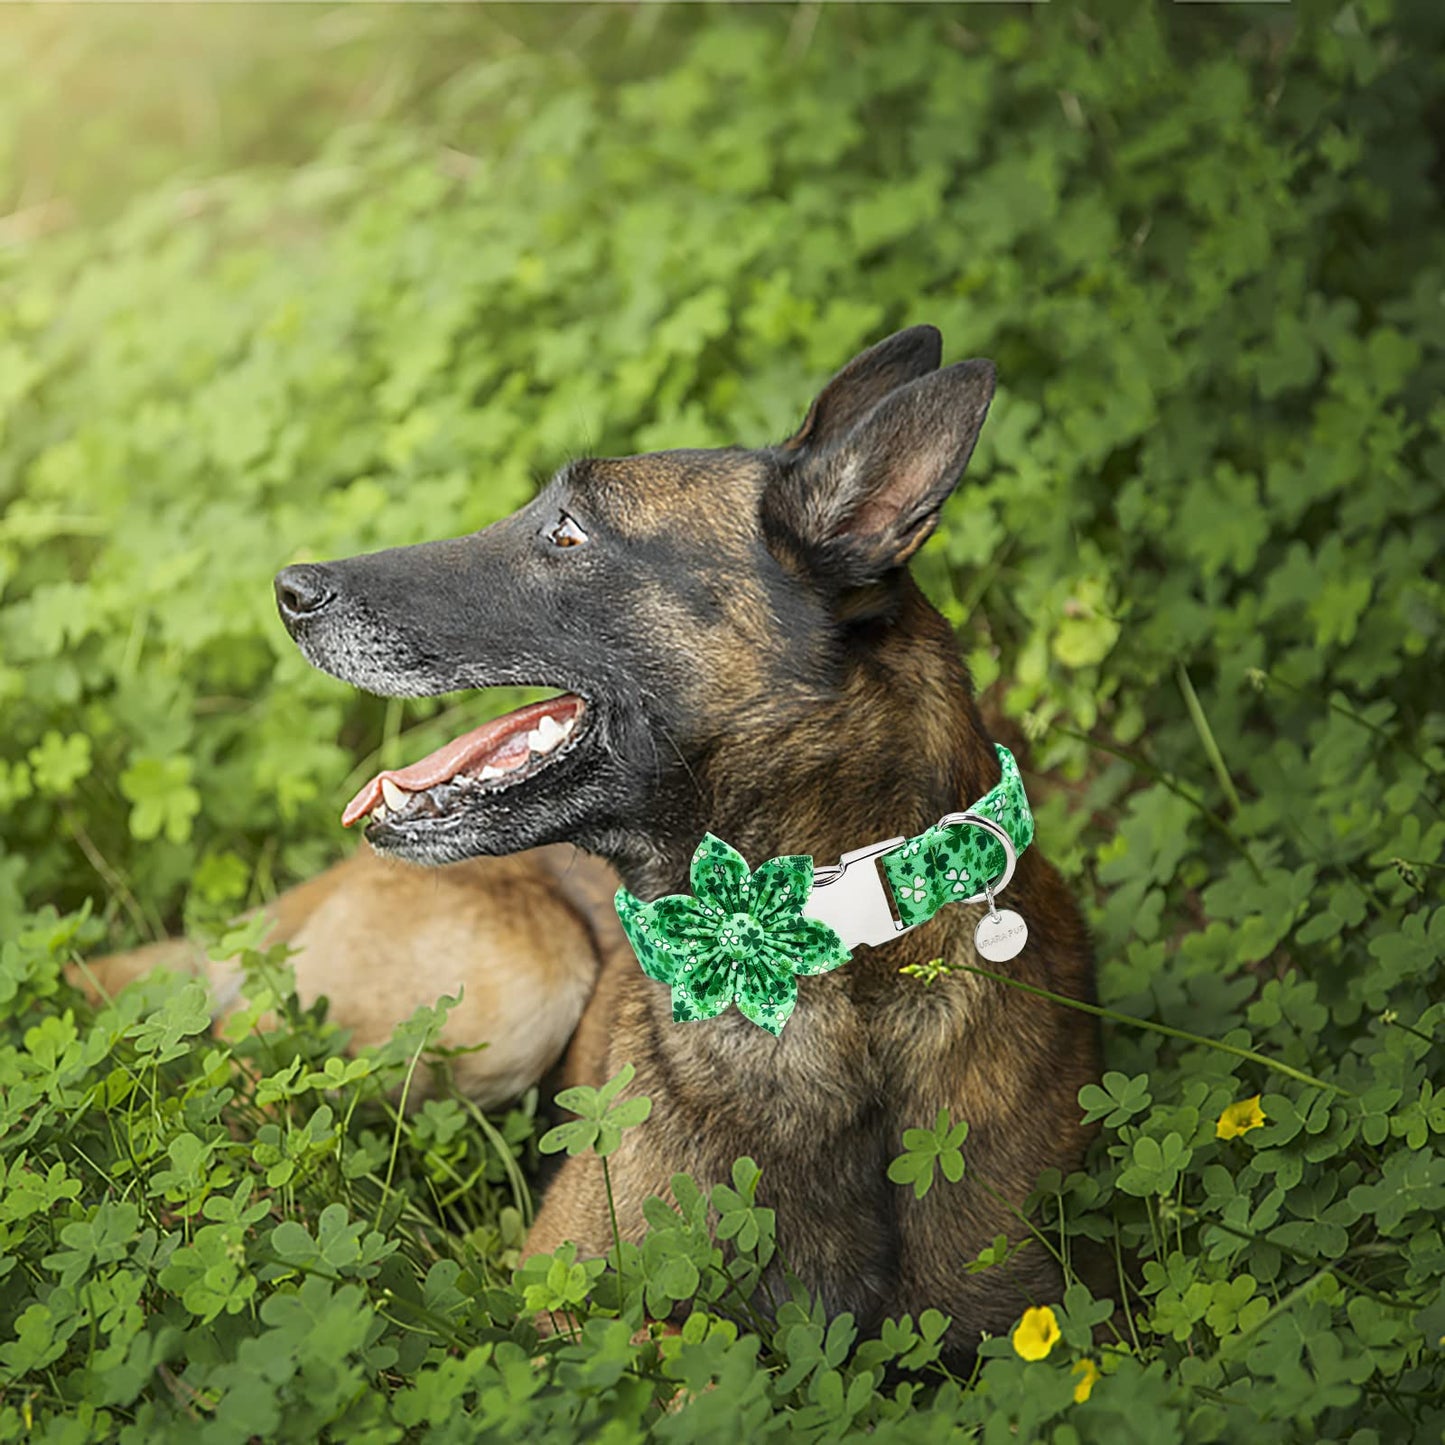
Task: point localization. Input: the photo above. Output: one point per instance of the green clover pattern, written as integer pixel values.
(741, 937)
(950, 863)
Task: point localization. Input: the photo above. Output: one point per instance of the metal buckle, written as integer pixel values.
(853, 900)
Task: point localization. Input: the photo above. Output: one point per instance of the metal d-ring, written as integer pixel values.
(1010, 853)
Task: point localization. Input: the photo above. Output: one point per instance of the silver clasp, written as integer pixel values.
(852, 898)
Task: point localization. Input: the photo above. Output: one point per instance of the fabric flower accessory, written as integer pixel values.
(742, 937)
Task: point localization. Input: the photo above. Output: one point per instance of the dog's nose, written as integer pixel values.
(301, 592)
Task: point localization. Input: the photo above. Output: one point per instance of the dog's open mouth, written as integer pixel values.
(490, 759)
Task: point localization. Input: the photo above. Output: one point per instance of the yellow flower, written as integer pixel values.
(1036, 1334)
(1088, 1373)
(1239, 1119)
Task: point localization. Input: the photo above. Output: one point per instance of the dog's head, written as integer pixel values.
(683, 603)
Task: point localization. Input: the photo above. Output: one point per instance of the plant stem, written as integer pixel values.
(1169, 782)
(520, 1193)
(1206, 736)
(750, 1314)
(148, 927)
(1389, 1301)
(396, 1133)
(616, 1237)
(1124, 1290)
(1021, 1216)
(1122, 1018)
(1358, 718)
(1419, 1033)
(1275, 1309)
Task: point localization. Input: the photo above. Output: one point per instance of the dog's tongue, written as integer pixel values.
(500, 742)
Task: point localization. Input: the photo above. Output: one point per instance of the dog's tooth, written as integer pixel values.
(396, 796)
(380, 813)
(489, 772)
(546, 735)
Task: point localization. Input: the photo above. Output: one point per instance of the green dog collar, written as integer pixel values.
(746, 937)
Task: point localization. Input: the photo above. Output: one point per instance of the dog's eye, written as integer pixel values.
(565, 532)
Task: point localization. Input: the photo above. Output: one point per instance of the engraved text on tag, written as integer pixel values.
(1000, 935)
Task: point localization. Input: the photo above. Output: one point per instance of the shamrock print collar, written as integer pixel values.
(747, 936)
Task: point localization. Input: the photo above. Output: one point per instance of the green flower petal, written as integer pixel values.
(703, 991)
(781, 887)
(808, 945)
(771, 1009)
(720, 875)
(684, 922)
(712, 957)
(639, 924)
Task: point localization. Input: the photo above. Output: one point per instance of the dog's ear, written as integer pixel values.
(862, 505)
(865, 381)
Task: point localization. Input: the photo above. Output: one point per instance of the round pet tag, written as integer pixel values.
(1000, 935)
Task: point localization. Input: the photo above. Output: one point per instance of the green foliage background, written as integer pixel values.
(284, 282)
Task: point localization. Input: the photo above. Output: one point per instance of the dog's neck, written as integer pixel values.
(896, 743)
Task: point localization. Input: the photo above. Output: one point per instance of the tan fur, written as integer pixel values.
(519, 938)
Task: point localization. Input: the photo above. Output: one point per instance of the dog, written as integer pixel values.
(738, 648)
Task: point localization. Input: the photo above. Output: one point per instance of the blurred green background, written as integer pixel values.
(297, 281)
